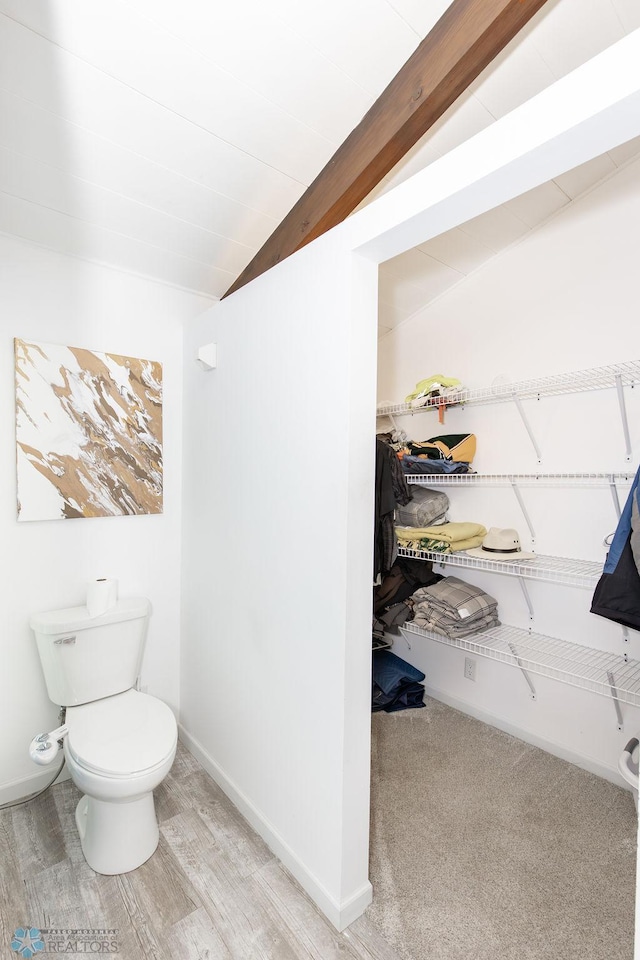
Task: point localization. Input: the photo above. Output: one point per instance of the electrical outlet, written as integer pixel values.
(469, 668)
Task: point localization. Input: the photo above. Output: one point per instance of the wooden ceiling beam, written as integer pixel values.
(462, 43)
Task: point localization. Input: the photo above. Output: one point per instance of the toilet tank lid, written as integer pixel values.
(77, 618)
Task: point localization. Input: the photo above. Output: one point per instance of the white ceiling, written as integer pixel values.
(565, 34)
(411, 281)
(170, 139)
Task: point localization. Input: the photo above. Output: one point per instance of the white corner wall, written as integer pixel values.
(563, 299)
(56, 299)
(278, 508)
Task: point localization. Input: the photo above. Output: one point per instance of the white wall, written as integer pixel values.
(278, 506)
(563, 299)
(52, 298)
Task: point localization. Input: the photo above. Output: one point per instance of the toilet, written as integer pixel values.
(118, 743)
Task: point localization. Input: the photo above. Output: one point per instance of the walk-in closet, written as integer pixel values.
(501, 823)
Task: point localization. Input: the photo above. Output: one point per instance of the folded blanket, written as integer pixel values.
(455, 632)
(456, 599)
(425, 507)
(451, 532)
(474, 610)
(441, 546)
(467, 608)
(442, 537)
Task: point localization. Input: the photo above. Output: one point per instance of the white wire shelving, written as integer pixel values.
(618, 375)
(523, 479)
(589, 669)
(563, 570)
(596, 378)
(518, 480)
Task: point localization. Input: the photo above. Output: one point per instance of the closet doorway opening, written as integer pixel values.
(500, 823)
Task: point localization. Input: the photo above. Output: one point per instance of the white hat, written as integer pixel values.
(500, 545)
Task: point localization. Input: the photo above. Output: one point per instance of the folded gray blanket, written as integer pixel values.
(456, 631)
(456, 599)
(426, 507)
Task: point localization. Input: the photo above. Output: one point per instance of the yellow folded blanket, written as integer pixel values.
(451, 532)
(453, 536)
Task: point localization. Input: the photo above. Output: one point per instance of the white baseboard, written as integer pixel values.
(563, 753)
(339, 914)
(24, 787)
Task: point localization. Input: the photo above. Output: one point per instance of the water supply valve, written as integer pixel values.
(45, 746)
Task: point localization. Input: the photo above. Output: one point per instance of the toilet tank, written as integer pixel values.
(85, 658)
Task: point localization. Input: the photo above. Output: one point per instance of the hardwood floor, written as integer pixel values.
(212, 890)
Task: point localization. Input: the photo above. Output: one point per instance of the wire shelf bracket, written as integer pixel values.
(625, 636)
(616, 702)
(527, 425)
(525, 512)
(616, 499)
(623, 414)
(527, 598)
(514, 651)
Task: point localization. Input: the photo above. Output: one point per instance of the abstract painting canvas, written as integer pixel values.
(88, 433)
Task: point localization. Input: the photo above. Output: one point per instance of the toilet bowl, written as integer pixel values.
(118, 743)
(117, 751)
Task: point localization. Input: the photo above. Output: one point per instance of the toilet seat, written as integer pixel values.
(126, 735)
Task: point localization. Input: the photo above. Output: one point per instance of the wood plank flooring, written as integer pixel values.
(212, 890)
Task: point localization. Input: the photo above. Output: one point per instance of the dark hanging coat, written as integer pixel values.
(390, 489)
(617, 595)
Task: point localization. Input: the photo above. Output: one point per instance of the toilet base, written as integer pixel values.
(117, 837)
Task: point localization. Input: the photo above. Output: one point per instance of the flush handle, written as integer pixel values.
(65, 640)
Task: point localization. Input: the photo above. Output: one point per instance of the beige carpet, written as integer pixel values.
(485, 848)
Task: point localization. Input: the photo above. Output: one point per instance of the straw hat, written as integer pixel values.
(500, 545)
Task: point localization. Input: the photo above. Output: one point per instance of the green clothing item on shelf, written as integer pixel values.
(424, 386)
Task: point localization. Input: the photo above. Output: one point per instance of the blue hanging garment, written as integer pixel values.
(617, 594)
